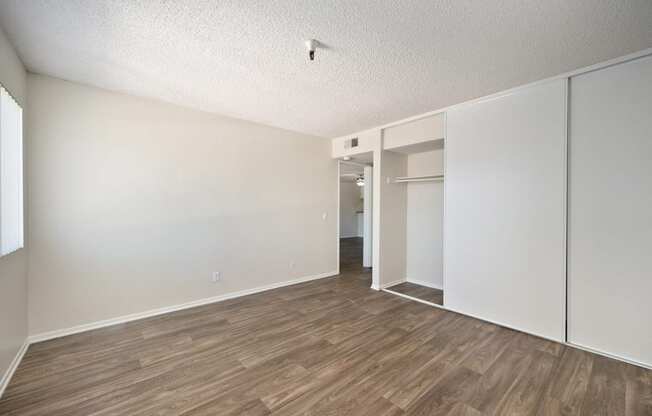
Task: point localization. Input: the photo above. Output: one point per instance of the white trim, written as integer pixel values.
(393, 283)
(376, 232)
(367, 218)
(443, 211)
(581, 347)
(4, 382)
(605, 354)
(568, 344)
(576, 72)
(565, 206)
(422, 283)
(337, 213)
(403, 295)
(167, 309)
(502, 324)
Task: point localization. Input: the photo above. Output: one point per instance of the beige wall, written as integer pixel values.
(13, 270)
(134, 203)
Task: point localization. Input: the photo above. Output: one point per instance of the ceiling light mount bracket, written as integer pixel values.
(311, 45)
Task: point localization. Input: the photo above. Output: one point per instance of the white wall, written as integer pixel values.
(134, 203)
(350, 203)
(368, 140)
(414, 133)
(13, 267)
(360, 219)
(425, 215)
(392, 231)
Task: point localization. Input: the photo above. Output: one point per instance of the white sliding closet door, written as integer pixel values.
(610, 211)
(504, 221)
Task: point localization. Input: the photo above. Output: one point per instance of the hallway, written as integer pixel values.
(351, 259)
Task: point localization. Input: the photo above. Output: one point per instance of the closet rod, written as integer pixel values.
(401, 179)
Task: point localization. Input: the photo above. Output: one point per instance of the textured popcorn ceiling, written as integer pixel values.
(386, 60)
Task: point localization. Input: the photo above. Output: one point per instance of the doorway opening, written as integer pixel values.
(355, 177)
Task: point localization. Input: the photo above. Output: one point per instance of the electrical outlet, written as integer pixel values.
(216, 277)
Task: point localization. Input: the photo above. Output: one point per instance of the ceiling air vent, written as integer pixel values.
(351, 143)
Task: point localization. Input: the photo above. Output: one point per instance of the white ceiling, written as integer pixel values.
(386, 59)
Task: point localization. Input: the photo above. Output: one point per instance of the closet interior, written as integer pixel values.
(412, 161)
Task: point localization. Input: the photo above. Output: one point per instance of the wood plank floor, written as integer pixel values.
(428, 294)
(328, 347)
(351, 256)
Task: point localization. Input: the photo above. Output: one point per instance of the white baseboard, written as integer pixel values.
(403, 295)
(393, 283)
(569, 344)
(423, 283)
(4, 382)
(612, 356)
(167, 309)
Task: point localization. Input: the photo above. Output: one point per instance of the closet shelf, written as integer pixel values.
(401, 179)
